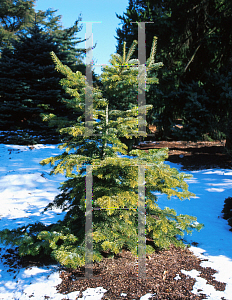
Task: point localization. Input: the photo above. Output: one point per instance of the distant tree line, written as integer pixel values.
(194, 43)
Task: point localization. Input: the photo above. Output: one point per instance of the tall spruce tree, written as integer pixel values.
(19, 15)
(115, 183)
(66, 38)
(14, 17)
(29, 84)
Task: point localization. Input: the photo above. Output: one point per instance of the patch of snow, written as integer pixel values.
(201, 286)
(147, 296)
(94, 293)
(123, 295)
(177, 277)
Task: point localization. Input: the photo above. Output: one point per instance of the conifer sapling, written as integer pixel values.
(114, 175)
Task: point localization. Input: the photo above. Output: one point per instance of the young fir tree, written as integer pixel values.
(115, 185)
(120, 79)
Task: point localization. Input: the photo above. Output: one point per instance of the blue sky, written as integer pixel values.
(92, 10)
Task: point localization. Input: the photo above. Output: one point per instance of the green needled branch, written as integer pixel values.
(115, 180)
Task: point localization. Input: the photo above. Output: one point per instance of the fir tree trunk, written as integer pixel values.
(229, 142)
(229, 135)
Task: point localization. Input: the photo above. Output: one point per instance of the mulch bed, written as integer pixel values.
(120, 275)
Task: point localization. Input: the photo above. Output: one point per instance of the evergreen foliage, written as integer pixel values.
(205, 108)
(195, 42)
(27, 75)
(14, 17)
(115, 181)
(227, 211)
(66, 38)
(194, 36)
(29, 84)
(19, 15)
(120, 79)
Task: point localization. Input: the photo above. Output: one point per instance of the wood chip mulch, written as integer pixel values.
(120, 275)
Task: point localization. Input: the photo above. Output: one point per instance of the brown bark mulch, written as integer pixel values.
(120, 275)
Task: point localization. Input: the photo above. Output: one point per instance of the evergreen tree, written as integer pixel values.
(19, 15)
(120, 79)
(29, 84)
(194, 40)
(207, 107)
(194, 36)
(66, 38)
(115, 183)
(14, 17)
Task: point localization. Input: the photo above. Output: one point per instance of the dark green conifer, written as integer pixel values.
(15, 16)
(29, 83)
(195, 43)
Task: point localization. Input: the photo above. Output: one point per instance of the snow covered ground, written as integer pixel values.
(26, 188)
(214, 241)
